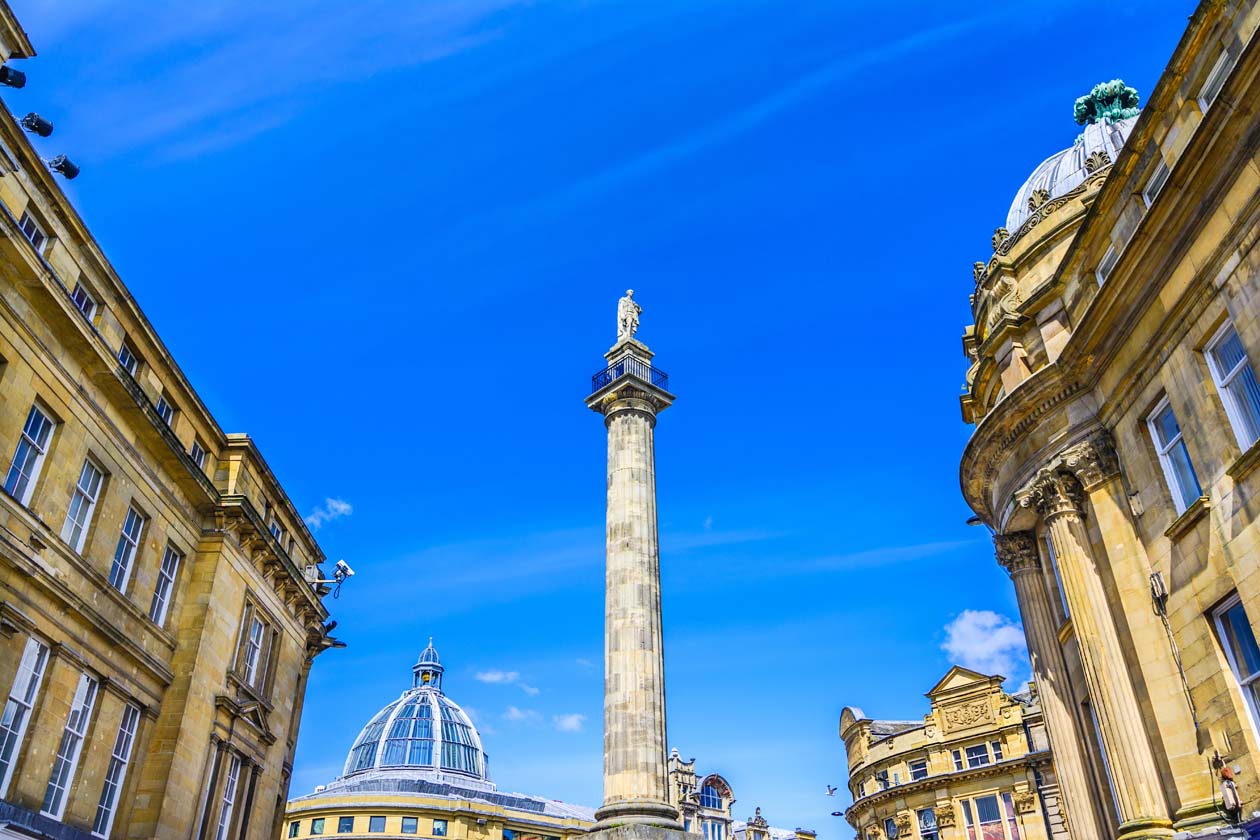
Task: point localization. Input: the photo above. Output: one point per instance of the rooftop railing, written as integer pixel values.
(630, 366)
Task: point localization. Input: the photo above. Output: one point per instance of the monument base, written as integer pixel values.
(636, 812)
(638, 831)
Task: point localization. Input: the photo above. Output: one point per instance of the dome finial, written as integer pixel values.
(1108, 102)
(428, 668)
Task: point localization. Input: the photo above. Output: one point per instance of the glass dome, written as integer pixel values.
(423, 732)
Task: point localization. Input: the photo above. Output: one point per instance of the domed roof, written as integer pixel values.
(422, 734)
(1063, 171)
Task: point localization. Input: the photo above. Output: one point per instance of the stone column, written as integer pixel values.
(635, 771)
(1057, 495)
(1017, 553)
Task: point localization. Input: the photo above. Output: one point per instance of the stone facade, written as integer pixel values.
(976, 767)
(1113, 388)
(706, 806)
(156, 624)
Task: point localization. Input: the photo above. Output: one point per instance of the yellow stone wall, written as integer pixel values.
(184, 674)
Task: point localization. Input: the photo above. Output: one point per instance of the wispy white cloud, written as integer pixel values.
(583, 662)
(988, 642)
(330, 510)
(506, 678)
(569, 723)
(515, 714)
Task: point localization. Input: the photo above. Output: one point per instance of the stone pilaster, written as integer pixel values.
(1058, 496)
(635, 770)
(1017, 553)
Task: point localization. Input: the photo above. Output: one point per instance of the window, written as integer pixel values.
(410, 825)
(1156, 183)
(127, 358)
(294, 828)
(345, 825)
(1173, 457)
(958, 762)
(198, 453)
(29, 456)
(165, 410)
(997, 750)
(881, 779)
(125, 551)
(1106, 265)
(1012, 825)
(376, 825)
(253, 649)
(83, 301)
(509, 834)
(987, 821)
(713, 830)
(918, 770)
(33, 232)
(1235, 378)
(710, 798)
(890, 828)
(1239, 641)
(17, 709)
(317, 825)
(927, 824)
(71, 746)
(165, 583)
(439, 828)
(1214, 82)
(229, 798)
(82, 505)
(977, 756)
(117, 771)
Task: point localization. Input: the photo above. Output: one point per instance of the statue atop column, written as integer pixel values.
(627, 316)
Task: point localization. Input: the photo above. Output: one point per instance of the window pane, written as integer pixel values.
(1187, 481)
(1165, 425)
(987, 809)
(1242, 641)
(376, 824)
(409, 825)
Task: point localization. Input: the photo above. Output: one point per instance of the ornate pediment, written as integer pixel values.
(248, 710)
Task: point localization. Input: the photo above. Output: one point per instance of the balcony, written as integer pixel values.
(630, 366)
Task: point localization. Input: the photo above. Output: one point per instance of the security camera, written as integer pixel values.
(344, 570)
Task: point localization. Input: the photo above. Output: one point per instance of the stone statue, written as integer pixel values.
(627, 316)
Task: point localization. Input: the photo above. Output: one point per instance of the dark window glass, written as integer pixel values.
(376, 825)
(345, 825)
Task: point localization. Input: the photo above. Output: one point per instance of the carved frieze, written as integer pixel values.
(967, 715)
(1025, 801)
(945, 815)
(905, 825)
(1092, 461)
(999, 236)
(1017, 552)
(1097, 160)
(1039, 197)
(1053, 491)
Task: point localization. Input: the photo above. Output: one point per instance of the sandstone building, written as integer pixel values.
(1116, 405)
(156, 623)
(706, 807)
(977, 766)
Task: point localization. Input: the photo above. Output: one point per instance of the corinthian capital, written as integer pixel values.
(1053, 491)
(1017, 552)
(1092, 461)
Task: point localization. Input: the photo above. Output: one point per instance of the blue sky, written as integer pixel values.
(387, 240)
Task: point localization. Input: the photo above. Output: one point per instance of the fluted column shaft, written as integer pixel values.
(635, 771)
(1017, 553)
(1058, 496)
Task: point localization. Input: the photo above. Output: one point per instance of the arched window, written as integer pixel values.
(710, 798)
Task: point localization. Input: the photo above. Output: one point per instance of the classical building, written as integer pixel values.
(706, 807)
(418, 768)
(156, 622)
(1116, 407)
(976, 767)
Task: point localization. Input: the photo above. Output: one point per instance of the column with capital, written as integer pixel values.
(1017, 553)
(1058, 496)
(629, 393)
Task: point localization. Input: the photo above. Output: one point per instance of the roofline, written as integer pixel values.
(12, 32)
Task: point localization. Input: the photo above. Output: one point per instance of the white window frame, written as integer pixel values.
(165, 410)
(82, 505)
(116, 774)
(84, 301)
(1175, 489)
(127, 357)
(983, 757)
(1107, 264)
(1225, 380)
(910, 768)
(1214, 82)
(996, 748)
(129, 539)
(1156, 183)
(164, 589)
(33, 231)
(198, 453)
(28, 473)
(66, 763)
(1243, 683)
(22, 698)
(253, 648)
(228, 801)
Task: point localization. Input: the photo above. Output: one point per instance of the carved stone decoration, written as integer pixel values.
(945, 815)
(1039, 197)
(1091, 181)
(977, 272)
(1097, 160)
(1092, 461)
(905, 825)
(999, 236)
(1025, 801)
(1053, 491)
(1017, 552)
(968, 715)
